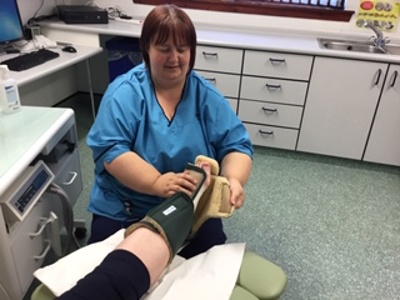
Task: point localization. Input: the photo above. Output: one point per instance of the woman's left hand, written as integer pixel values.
(238, 194)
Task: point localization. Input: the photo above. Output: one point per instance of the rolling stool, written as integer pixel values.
(259, 279)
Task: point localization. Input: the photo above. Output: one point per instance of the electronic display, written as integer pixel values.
(10, 22)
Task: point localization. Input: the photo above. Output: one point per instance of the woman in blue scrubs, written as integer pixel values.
(152, 121)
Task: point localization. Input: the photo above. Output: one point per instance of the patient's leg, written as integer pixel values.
(138, 261)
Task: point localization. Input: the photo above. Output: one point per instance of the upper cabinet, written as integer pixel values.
(384, 142)
(340, 106)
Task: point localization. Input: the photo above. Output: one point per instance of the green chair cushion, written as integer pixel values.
(261, 277)
(240, 293)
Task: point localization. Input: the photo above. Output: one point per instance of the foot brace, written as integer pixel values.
(215, 201)
(172, 219)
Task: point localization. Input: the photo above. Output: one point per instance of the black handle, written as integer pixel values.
(215, 54)
(269, 109)
(394, 79)
(378, 77)
(273, 86)
(263, 132)
(277, 60)
(211, 79)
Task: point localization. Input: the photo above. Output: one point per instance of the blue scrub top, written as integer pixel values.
(130, 118)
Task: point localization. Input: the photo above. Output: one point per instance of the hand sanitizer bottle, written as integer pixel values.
(9, 95)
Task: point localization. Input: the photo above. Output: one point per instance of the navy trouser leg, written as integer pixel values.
(121, 276)
(210, 234)
(102, 228)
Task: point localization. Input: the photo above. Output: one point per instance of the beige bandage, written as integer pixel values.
(215, 201)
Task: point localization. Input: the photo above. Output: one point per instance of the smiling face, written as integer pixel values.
(168, 44)
(169, 61)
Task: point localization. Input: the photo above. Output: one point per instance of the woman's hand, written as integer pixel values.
(170, 183)
(238, 194)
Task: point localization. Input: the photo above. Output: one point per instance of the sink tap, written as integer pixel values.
(378, 40)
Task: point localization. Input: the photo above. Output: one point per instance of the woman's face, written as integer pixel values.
(169, 63)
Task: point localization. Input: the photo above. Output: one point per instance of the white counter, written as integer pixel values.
(24, 134)
(224, 37)
(65, 60)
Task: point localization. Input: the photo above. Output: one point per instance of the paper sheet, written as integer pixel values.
(210, 275)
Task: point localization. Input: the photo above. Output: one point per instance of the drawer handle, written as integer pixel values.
(269, 110)
(263, 132)
(213, 54)
(394, 78)
(277, 61)
(43, 255)
(211, 79)
(74, 174)
(378, 77)
(273, 86)
(44, 223)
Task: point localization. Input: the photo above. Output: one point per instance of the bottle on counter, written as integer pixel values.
(9, 94)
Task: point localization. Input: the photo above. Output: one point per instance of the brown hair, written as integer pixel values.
(164, 21)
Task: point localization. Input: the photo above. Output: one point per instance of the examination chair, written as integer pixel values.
(259, 279)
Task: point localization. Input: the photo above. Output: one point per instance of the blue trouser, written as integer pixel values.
(210, 234)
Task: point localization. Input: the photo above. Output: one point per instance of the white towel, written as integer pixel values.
(210, 275)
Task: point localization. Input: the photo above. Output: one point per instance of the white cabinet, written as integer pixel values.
(222, 67)
(30, 136)
(325, 105)
(272, 95)
(384, 142)
(340, 106)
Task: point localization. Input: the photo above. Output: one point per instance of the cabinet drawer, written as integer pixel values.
(68, 174)
(228, 84)
(270, 113)
(219, 59)
(273, 90)
(30, 252)
(274, 137)
(281, 65)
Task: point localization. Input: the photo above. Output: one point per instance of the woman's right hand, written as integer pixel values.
(170, 183)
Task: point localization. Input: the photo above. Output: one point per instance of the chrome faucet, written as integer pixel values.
(378, 40)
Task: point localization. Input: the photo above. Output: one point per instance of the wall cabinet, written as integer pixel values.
(384, 141)
(340, 106)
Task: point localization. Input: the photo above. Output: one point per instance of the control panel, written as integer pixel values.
(22, 195)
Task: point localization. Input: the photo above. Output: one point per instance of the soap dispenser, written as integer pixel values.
(9, 95)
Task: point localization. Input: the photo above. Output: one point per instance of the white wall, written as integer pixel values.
(231, 20)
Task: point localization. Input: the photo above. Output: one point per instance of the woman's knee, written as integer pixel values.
(103, 227)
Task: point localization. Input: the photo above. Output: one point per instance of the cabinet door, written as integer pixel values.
(341, 103)
(384, 142)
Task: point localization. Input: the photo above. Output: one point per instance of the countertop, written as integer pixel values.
(65, 59)
(24, 134)
(234, 38)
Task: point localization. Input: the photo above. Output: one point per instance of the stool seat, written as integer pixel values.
(262, 278)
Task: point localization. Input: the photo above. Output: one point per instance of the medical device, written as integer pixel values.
(40, 182)
(25, 192)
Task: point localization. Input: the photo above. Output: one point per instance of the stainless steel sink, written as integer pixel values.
(393, 49)
(357, 46)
